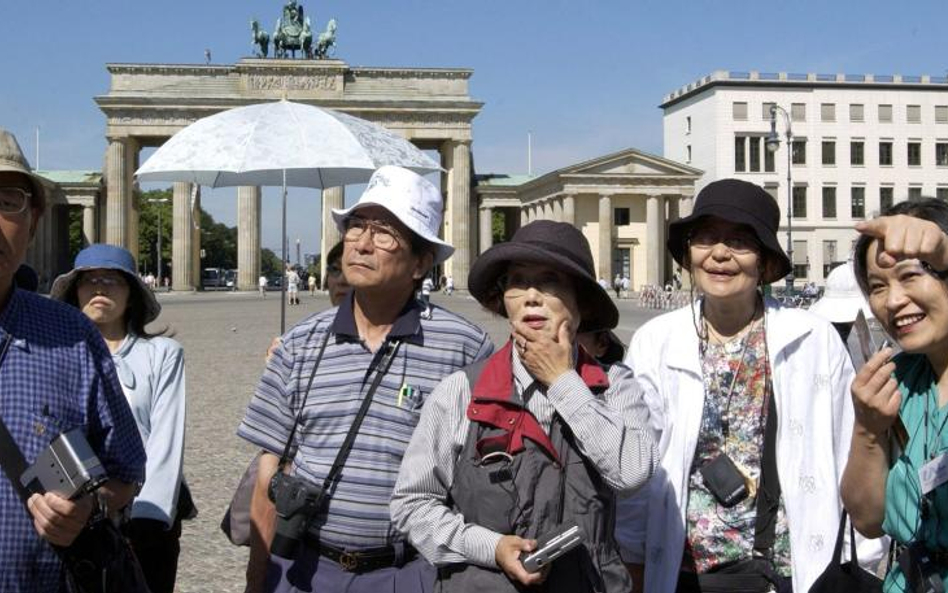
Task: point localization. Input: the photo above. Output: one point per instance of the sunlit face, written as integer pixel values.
(910, 303)
(367, 266)
(16, 230)
(103, 296)
(336, 282)
(540, 297)
(725, 259)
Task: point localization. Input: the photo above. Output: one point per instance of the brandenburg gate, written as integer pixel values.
(147, 103)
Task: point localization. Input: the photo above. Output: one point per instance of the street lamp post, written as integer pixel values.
(158, 201)
(773, 144)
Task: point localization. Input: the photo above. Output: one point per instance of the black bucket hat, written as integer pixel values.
(558, 245)
(739, 202)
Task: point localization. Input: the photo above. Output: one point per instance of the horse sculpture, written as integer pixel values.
(260, 39)
(326, 41)
(291, 31)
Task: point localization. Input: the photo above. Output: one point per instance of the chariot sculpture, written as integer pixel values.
(293, 33)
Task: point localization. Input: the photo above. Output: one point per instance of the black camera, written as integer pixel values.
(725, 482)
(920, 571)
(296, 501)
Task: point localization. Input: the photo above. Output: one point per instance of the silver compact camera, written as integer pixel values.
(69, 467)
(551, 546)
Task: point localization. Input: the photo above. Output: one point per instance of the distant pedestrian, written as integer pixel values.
(626, 283)
(427, 286)
(603, 283)
(312, 284)
(292, 286)
(262, 286)
(449, 286)
(617, 284)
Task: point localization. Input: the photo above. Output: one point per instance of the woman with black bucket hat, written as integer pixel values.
(752, 402)
(539, 437)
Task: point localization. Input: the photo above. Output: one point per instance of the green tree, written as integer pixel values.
(75, 233)
(498, 228)
(219, 243)
(270, 263)
(148, 209)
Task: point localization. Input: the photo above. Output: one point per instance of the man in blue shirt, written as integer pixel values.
(56, 375)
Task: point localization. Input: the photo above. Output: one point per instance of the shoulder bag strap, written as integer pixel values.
(11, 458)
(768, 499)
(299, 415)
(382, 369)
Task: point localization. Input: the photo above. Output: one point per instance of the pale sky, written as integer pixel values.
(585, 77)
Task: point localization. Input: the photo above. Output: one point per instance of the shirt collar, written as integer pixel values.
(407, 325)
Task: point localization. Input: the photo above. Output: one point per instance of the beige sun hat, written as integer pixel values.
(12, 160)
(842, 298)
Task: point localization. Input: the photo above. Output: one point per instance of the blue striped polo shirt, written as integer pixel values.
(357, 515)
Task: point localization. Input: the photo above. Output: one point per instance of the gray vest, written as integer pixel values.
(529, 497)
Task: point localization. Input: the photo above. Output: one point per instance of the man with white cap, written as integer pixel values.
(375, 348)
(56, 375)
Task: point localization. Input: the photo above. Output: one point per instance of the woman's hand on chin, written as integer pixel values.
(545, 353)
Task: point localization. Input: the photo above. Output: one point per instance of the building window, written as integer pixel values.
(739, 111)
(942, 193)
(914, 154)
(913, 114)
(768, 161)
(688, 124)
(886, 198)
(829, 152)
(856, 112)
(621, 216)
(799, 152)
(829, 201)
(941, 154)
(765, 111)
(858, 209)
(857, 153)
(740, 154)
(688, 156)
(798, 111)
(941, 114)
(829, 257)
(622, 261)
(800, 259)
(799, 201)
(828, 112)
(915, 194)
(754, 153)
(885, 114)
(885, 153)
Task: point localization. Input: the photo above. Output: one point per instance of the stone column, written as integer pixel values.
(487, 230)
(569, 211)
(334, 198)
(535, 212)
(460, 197)
(248, 237)
(134, 212)
(547, 210)
(524, 215)
(686, 205)
(182, 243)
(674, 213)
(558, 209)
(196, 260)
(605, 237)
(118, 193)
(88, 225)
(654, 243)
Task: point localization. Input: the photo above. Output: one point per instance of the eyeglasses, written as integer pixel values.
(101, 281)
(14, 200)
(384, 236)
(739, 243)
(516, 284)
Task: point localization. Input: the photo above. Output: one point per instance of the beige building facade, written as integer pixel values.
(147, 103)
(622, 202)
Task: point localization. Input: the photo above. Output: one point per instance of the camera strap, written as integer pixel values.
(285, 457)
(768, 497)
(11, 458)
(343, 453)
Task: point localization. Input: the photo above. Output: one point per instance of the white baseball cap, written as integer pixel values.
(414, 200)
(842, 298)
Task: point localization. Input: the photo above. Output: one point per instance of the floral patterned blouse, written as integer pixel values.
(718, 535)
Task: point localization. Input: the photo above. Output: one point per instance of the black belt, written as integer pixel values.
(366, 560)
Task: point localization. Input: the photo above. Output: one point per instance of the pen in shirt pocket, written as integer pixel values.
(406, 391)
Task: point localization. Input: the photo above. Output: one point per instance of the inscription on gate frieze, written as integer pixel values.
(277, 82)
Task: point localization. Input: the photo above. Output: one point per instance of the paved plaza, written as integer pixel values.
(225, 336)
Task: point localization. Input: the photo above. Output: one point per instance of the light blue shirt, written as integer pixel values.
(151, 371)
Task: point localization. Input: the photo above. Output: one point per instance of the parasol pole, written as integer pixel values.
(283, 263)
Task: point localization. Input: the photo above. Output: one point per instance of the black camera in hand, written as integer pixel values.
(296, 500)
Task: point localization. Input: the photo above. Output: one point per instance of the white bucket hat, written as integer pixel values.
(414, 200)
(842, 298)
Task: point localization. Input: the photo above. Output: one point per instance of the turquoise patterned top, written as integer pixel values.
(903, 517)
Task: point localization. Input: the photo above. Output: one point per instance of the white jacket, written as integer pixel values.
(811, 375)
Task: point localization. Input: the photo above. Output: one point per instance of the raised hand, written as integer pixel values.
(546, 354)
(876, 395)
(907, 237)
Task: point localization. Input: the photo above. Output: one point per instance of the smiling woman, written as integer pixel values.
(891, 485)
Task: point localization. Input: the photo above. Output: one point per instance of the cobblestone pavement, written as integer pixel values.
(225, 336)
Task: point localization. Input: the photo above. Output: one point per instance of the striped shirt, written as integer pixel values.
(56, 376)
(356, 516)
(610, 429)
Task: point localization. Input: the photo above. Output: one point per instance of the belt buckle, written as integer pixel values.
(348, 561)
